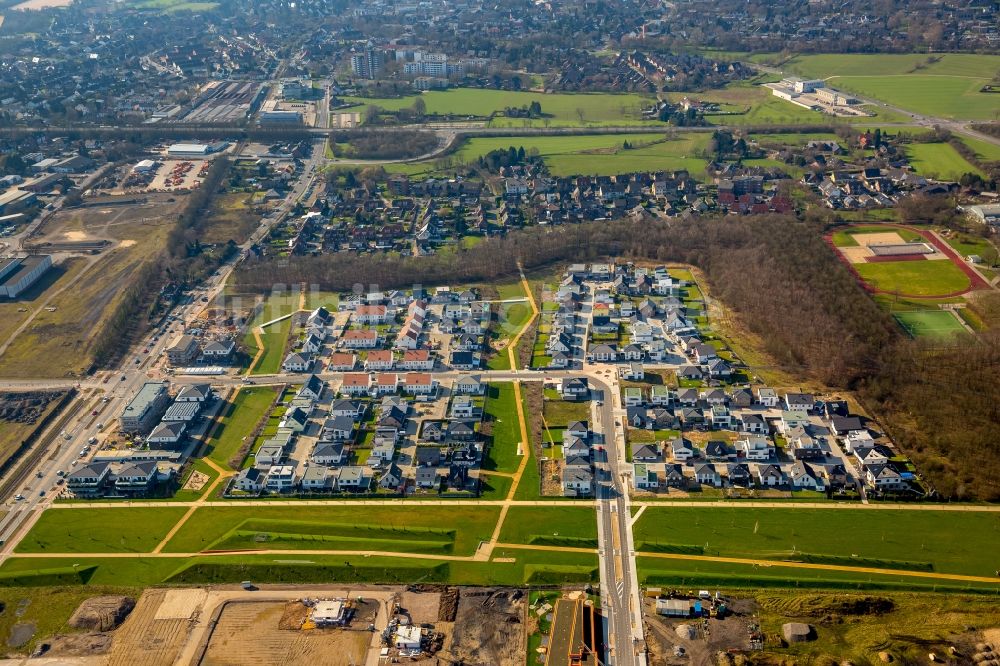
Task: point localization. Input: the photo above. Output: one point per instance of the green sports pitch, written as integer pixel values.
(929, 323)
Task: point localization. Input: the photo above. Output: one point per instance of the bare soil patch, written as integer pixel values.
(490, 628)
(250, 633)
(78, 645)
(196, 481)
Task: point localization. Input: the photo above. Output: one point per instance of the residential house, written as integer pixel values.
(356, 383)
(327, 453)
(707, 475)
(804, 477)
(770, 475)
(682, 450)
(297, 362)
(575, 388)
(342, 362)
(647, 453)
(800, 402)
(767, 397)
(755, 448)
(470, 385)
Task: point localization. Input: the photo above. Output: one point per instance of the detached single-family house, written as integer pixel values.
(707, 475)
(327, 453)
(770, 475)
(681, 450)
(767, 397)
(755, 448)
(575, 388)
(297, 362)
(799, 402)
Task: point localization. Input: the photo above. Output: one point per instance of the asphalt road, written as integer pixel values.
(620, 598)
(103, 397)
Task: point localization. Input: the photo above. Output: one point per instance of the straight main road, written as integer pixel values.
(103, 397)
(620, 599)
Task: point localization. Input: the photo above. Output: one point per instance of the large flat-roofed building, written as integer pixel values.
(14, 200)
(17, 274)
(281, 118)
(146, 408)
(188, 150)
(985, 213)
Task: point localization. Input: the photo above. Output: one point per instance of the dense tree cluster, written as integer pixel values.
(381, 145)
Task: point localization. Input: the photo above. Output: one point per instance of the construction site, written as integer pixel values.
(232, 625)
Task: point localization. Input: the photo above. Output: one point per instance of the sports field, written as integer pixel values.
(929, 323)
(939, 160)
(945, 86)
(914, 278)
(847, 238)
(559, 109)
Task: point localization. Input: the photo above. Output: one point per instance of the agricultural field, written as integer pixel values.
(942, 541)
(172, 6)
(100, 530)
(549, 146)
(936, 324)
(945, 86)
(939, 160)
(914, 278)
(559, 109)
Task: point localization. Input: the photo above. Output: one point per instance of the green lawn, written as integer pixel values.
(574, 526)
(929, 323)
(967, 244)
(274, 338)
(558, 413)
(915, 278)
(501, 407)
(952, 97)
(947, 541)
(530, 567)
(947, 88)
(327, 299)
(560, 109)
(197, 465)
(548, 146)
(984, 149)
(684, 152)
(238, 420)
(398, 529)
(101, 530)
(939, 160)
